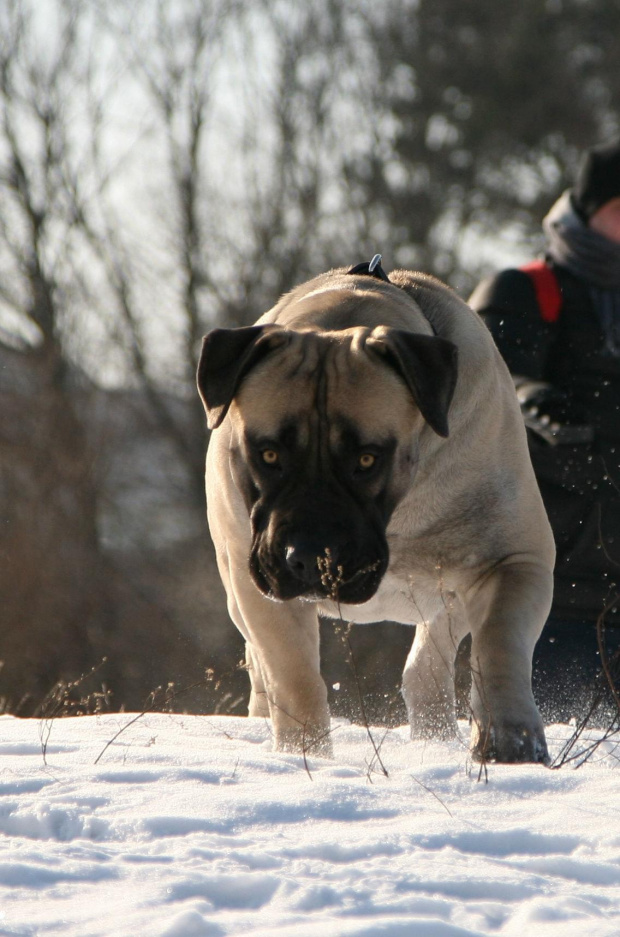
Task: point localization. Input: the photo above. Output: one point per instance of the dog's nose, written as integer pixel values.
(304, 561)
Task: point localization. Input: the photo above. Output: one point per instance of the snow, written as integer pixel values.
(191, 826)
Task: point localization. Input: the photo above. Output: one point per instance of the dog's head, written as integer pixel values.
(325, 430)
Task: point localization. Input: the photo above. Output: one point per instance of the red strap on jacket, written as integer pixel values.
(548, 293)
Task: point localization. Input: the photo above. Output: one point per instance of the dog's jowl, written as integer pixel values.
(368, 460)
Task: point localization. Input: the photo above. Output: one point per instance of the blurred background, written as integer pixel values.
(166, 167)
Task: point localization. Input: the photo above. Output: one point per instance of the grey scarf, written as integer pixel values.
(591, 257)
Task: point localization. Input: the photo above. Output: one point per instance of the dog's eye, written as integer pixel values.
(366, 461)
(270, 456)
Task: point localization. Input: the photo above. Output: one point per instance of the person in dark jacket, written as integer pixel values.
(556, 322)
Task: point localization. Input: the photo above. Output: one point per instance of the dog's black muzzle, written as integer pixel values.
(320, 555)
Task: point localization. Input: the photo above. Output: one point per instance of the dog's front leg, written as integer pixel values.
(282, 653)
(510, 611)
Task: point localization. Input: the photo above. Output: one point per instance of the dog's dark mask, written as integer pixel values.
(319, 498)
(318, 518)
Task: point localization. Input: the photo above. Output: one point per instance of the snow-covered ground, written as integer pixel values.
(189, 826)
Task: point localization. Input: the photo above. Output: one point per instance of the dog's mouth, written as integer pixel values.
(350, 584)
(335, 585)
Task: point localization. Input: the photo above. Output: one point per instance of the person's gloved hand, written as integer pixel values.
(551, 414)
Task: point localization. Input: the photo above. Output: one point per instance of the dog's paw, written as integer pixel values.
(509, 744)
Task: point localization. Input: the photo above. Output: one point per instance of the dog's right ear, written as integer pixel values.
(226, 357)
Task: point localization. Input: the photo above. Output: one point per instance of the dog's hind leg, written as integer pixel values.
(259, 705)
(428, 678)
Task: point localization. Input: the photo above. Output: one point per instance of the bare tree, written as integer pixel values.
(51, 570)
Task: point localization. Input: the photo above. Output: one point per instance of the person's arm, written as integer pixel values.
(507, 303)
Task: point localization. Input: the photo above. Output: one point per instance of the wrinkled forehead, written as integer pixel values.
(330, 379)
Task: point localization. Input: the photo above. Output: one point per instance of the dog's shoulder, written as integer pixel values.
(339, 300)
(441, 305)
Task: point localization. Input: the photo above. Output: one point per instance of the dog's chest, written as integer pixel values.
(409, 599)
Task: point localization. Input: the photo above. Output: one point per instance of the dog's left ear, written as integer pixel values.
(427, 364)
(227, 356)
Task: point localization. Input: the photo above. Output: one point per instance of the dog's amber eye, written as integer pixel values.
(366, 461)
(270, 456)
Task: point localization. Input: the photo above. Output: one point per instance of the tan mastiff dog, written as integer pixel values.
(356, 470)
